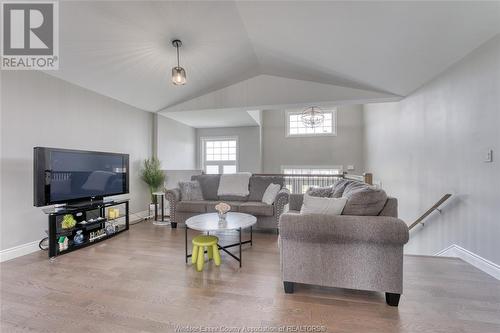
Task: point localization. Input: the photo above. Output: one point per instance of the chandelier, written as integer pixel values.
(178, 73)
(312, 117)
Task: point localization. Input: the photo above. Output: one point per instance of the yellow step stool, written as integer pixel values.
(199, 244)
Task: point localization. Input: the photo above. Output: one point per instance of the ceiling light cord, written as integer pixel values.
(177, 47)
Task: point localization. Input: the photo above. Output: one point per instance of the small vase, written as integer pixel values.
(78, 239)
(222, 216)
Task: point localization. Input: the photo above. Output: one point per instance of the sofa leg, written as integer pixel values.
(392, 299)
(173, 224)
(288, 287)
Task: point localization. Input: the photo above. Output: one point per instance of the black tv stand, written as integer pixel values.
(90, 203)
(94, 213)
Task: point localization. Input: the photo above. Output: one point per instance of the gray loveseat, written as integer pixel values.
(267, 215)
(345, 251)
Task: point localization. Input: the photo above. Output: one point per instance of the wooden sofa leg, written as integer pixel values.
(392, 299)
(173, 224)
(288, 287)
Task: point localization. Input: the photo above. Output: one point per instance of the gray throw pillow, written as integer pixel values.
(190, 191)
(323, 192)
(363, 200)
(209, 185)
(339, 186)
(259, 184)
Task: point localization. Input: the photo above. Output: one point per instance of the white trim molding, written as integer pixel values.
(18, 251)
(479, 262)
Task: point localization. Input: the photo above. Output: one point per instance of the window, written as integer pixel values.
(219, 155)
(295, 126)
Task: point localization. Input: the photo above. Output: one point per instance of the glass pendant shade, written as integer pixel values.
(178, 76)
(312, 117)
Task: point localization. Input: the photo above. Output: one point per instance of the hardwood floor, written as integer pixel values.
(138, 282)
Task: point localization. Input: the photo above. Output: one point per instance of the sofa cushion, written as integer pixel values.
(190, 190)
(259, 184)
(192, 206)
(210, 205)
(228, 198)
(390, 208)
(209, 185)
(256, 208)
(363, 200)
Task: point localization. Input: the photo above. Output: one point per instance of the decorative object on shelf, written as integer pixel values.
(113, 213)
(222, 209)
(68, 221)
(152, 175)
(178, 73)
(79, 238)
(63, 243)
(312, 117)
(110, 228)
(95, 235)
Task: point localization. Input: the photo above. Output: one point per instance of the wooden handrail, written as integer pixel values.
(430, 210)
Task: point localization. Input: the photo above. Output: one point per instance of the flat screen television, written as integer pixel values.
(70, 176)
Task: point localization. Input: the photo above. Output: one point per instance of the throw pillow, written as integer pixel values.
(234, 184)
(339, 186)
(271, 193)
(190, 191)
(259, 184)
(363, 200)
(324, 206)
(209, 185)
(323, 192)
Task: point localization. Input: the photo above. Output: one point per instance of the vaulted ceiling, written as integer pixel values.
(351, 50)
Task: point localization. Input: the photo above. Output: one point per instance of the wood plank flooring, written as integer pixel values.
(138, 282)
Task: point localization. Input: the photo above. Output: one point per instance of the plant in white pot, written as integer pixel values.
(152, 175)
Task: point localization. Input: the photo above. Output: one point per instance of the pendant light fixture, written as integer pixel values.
(178, 73)
(312, 117)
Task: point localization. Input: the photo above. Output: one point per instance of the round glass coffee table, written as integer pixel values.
(210, 222)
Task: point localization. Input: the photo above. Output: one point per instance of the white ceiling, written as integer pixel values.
(213, 118)
(122, 49)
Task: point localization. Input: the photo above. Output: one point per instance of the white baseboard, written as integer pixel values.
(18, 251)
(479, 262)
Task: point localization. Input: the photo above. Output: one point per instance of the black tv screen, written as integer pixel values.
(66, 176)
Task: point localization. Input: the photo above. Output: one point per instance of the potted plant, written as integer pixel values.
(152, 175)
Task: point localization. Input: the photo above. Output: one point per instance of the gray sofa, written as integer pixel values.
(267, 215)
(345, 251)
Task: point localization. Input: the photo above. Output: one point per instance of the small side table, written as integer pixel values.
(161, 195)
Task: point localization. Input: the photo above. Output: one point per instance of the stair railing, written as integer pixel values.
(434, 207)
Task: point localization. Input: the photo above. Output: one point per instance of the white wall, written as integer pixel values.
(175, 144)
(344, 149)
(434, 142)
(40, 110)
(249, 145)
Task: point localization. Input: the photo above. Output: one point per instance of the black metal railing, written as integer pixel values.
(300, 183)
